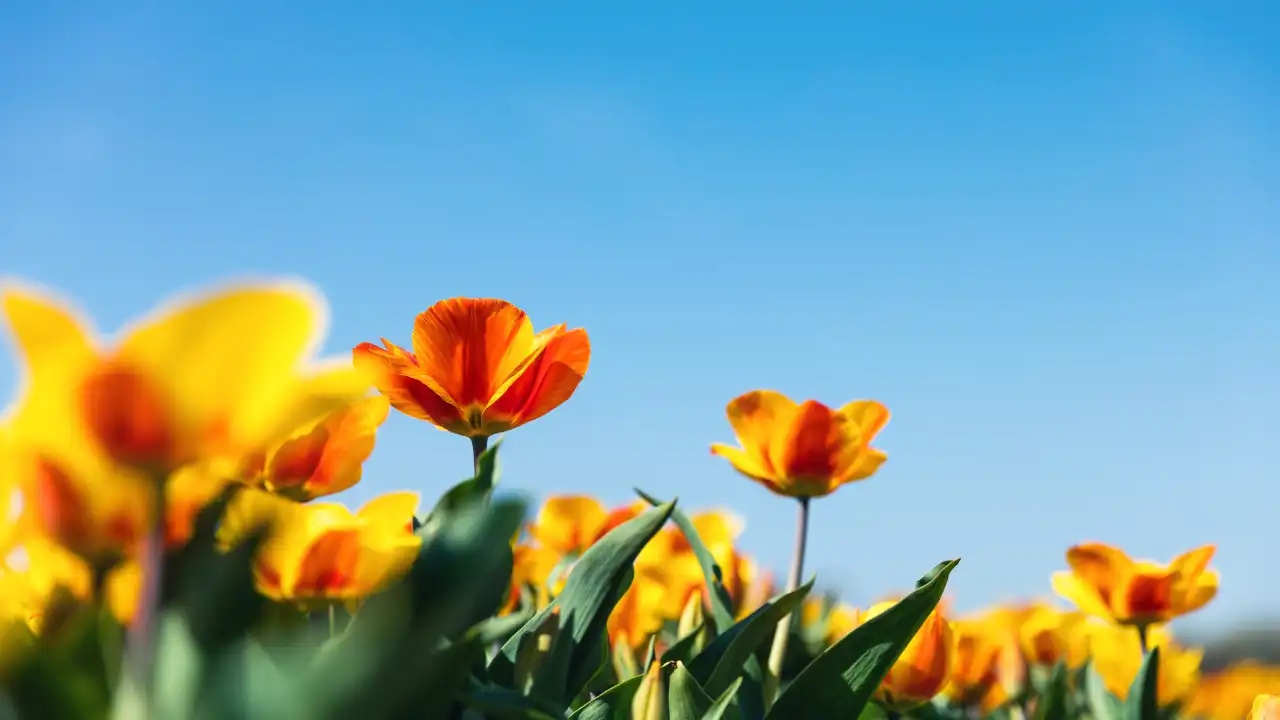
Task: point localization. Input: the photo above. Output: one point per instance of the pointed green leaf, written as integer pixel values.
(686, 700)
(723, 659)
(597, 582)
(468, 493)
(840, 681)
(681, 649)
(723, 706)
(1143, 702)
(1102, 704)
(507, 704)
(721, 604)
(612, 704)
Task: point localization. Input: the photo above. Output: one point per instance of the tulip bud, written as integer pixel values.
(650, 701)
(922, 669)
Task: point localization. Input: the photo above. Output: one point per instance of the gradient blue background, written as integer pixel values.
(1046, 238)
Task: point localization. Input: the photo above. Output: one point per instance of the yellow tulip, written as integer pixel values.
(974, 678)
(323, 457)
(322, 553)
(569, 524)
(530, 566)
(1106, 583)
(213, 376)
(638, 614)
(1265, 707)
(803, 450)
(923, 668)
(1049, 636)
(1117, 656)
(1229, 693)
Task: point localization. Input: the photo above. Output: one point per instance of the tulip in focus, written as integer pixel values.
(805, 450)
(923, 668)
(1106, 583)
(324, 457)
(1117, 656)
(477, 367)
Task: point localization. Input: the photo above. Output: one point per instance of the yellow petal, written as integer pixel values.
(759, 418)
(568, 523)
(391, 514)
(1070, 587)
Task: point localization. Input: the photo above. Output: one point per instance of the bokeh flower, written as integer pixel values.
(974, 678)
(1049, 635)
(325, 456)
(1116, 654)
(1265, 707)
(1106, 583)
(803, 450)
(477, 367)
(1229, 694)
(569, 524)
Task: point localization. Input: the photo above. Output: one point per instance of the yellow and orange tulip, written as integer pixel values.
(477, 367)
(975, 670)
(324, 457)
(803, 450)
(1106, 583)
(923, 668)
(1116, 654)
(1048, 636)
(569, 524)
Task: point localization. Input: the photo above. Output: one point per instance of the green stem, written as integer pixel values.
(778, 653)
(333, 622)
(479, 443)
(1142, 638)
(142, 632)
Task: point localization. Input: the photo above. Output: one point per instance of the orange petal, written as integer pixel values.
(806, 455)
(329, 566)
(746, 464)
(1145, 597)
(1192, 563)
(545, 383)
(397, 377)
(568, 523)
(469, 346)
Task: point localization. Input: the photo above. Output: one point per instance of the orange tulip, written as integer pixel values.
(1106, 583)
(325, 456)
(1049, 636)
(477, 368)
(1265, 707)
(569, 524)
(530, 566)
(923, 668)
(975, 675)
(805, 450)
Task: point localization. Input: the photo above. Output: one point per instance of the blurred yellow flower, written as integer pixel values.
(669, 557)
(1229, 693)
(1117, 656)
(569, 524)
(639, 613)
(1265, 707)
(323, 552)
(805, 450)
(477, 368)
(1049, 636)
(531, 566)
(974, 678)
(923, 668)
(213, 376)
(325, 456)
(1106, 583)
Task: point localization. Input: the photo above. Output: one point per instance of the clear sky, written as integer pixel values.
(1045, 238)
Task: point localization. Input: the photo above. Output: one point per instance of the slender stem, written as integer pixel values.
(479, 443)
(778, 653)
(141, 637)
(333, 621)
(1142, 638)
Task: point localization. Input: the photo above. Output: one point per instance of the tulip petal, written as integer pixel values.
(809, 453)
(1145, 597)
(558, 366)
(390, 514)
(1071, 587)
(868, 416)
(1193, 562)
(567, 523)
(757, 418)
(1100, 566)
(746, 464)
(469, 346)
(227, 361)
(396, 375)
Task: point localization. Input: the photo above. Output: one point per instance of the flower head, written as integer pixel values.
(1106, 583)
(805, 450)
(923, 668)
(477, 367)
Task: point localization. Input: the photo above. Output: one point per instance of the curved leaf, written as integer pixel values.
(722, 661)
(1143, 702)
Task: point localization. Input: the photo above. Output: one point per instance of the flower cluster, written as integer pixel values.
(212, 414)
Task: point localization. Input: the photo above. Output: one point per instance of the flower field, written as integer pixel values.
(171, 550)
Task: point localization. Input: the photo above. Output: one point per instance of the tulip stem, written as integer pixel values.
(141, 637)
(479, 443)
(1142, 638)
(778, 653)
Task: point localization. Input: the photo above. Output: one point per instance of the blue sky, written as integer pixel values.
(1045, 238)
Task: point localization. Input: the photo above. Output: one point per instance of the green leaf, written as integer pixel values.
(722, 661)
(1052, 702)
(499, 629)
(686, 700)
(1102, 704)
(840, 681)
(612, 704)
(723, 706)
(507, 704)
(721, 604)
(680, 650)
(598, 580)
(1143, 702)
